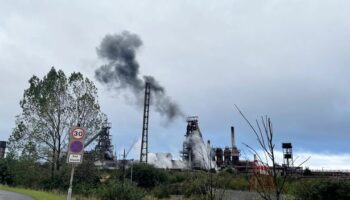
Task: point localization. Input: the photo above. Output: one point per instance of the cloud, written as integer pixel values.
(286, 59)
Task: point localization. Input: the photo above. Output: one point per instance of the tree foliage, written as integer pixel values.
(50, 106)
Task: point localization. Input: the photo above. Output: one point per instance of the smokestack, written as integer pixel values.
(233, 143)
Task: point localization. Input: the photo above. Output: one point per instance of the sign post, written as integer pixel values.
(75, 152)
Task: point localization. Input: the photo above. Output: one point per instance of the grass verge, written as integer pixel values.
(37, 195)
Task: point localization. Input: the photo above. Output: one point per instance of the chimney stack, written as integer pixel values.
(233, 144)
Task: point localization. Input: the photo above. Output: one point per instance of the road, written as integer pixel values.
(5, 195)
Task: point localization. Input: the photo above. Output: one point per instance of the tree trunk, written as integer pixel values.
(53, 163)
(58, 153)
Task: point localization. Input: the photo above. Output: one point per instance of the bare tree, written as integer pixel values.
(270, 182)
(264, 134)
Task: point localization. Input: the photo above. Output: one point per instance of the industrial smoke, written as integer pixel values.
(165, 161)
(122, 72)
(200, 151)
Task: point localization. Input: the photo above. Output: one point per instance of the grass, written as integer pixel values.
(37, 195)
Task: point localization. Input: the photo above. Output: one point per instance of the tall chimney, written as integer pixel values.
(233, 144)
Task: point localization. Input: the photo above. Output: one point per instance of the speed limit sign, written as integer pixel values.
(77, 133)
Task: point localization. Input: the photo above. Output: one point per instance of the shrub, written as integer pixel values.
(119, 191)
(176, 177)
(147, 176)
(161, 191)
(322, 190)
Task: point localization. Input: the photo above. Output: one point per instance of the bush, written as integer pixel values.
(119, 191)
(161, 191)
(322, 190)
(147, 176)
(176, 177)
(238, 183)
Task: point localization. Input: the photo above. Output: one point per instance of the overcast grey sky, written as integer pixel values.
(286, 59)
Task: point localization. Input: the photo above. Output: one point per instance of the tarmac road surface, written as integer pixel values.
(5, 195)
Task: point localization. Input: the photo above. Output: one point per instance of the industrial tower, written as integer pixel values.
(287, 154)
(144, 141)
(104, 148)
(191, 145)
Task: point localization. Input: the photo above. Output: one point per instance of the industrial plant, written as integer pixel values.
(195, 154)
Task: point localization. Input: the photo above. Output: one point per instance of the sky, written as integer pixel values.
(288, 60)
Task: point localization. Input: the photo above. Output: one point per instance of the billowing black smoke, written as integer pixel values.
(122, 72)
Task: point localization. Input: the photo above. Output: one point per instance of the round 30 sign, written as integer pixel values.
(77, 133)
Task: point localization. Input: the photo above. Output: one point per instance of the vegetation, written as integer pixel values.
(53, 104)
(90, 182)
(50, 106)
(321, 189)
(104, 184)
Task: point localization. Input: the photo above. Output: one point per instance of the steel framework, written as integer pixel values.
(144, 141)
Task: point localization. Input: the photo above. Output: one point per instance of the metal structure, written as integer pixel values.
(219, 154)
(195, 153)
(261, 178)
(2, 149)
(228, 156)
(192, 125)
(287, 154)
(144, 141)
(187, 152)
(104, 147)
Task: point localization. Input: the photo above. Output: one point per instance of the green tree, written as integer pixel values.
(50, 106)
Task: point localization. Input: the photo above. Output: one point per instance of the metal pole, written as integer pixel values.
(69, 195)
(132, 165)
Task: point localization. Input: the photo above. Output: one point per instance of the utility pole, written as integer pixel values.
(69, 195)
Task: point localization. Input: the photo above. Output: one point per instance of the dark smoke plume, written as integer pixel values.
(122, 72)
